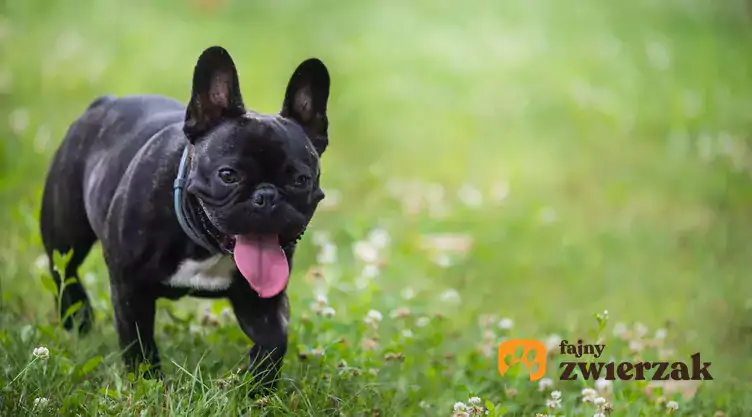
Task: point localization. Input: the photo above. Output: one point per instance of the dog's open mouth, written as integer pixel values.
(227, 243)
(260, 258)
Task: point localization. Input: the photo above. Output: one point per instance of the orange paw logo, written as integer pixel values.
(533, 353)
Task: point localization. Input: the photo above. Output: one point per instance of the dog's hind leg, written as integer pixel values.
(65, 227)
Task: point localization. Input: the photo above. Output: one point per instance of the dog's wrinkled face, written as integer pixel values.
(257, 176)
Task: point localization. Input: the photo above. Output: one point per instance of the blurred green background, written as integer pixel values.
(596, 152)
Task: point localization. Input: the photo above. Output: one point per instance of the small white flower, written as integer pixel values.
(470, 196)
(327, 254)
(603, 385)
(450, 296)
(506, 323)
(408, 293)
(660, 334)
(209, 317)
(550, 403)
(552, 341)
(370, 271)
(379, 238)
(407, 333)
(459, 406)
(41, 352)
(473, 400)
(423, 404)
(328, 312)
(226, 313)
(636, 345)
(400, 313)
(599, 415)
(588, 395)
(41, 402)
(489, 336)
(599, 401)
(605, 312)
(545, 384)
(556, 395)
(41, 262)
(641, 329)
(321, 300)
(366, 251)
(620, 329)
(486, 320)
(422, 321)
(672, 405)
(373, 317)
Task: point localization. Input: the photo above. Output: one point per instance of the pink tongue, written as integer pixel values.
(263, 263)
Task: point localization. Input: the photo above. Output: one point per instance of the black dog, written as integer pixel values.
(207, 200)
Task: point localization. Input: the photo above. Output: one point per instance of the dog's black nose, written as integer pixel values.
(264, 198)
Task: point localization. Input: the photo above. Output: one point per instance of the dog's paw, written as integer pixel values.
(153, 372)
(145, 370)
(261, 383)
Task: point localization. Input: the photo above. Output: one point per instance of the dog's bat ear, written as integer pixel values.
(215, 94)
(305, 101)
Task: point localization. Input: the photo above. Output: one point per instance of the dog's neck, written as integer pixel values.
(188, 210)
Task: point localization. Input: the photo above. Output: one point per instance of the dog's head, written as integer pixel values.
(257, 176)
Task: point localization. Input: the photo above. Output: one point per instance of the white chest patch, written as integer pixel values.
(210, 274)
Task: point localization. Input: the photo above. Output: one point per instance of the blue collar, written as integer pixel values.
(187, 221)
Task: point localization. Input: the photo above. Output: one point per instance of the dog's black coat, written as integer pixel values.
(112, 180)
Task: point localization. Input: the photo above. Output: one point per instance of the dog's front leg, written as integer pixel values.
(264, 320)
(135, 309)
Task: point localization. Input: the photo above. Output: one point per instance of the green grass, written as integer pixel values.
(621, 129)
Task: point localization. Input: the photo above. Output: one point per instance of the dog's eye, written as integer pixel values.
(302, 180)
(228, 176)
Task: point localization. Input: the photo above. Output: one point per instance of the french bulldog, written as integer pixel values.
(207, 200)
